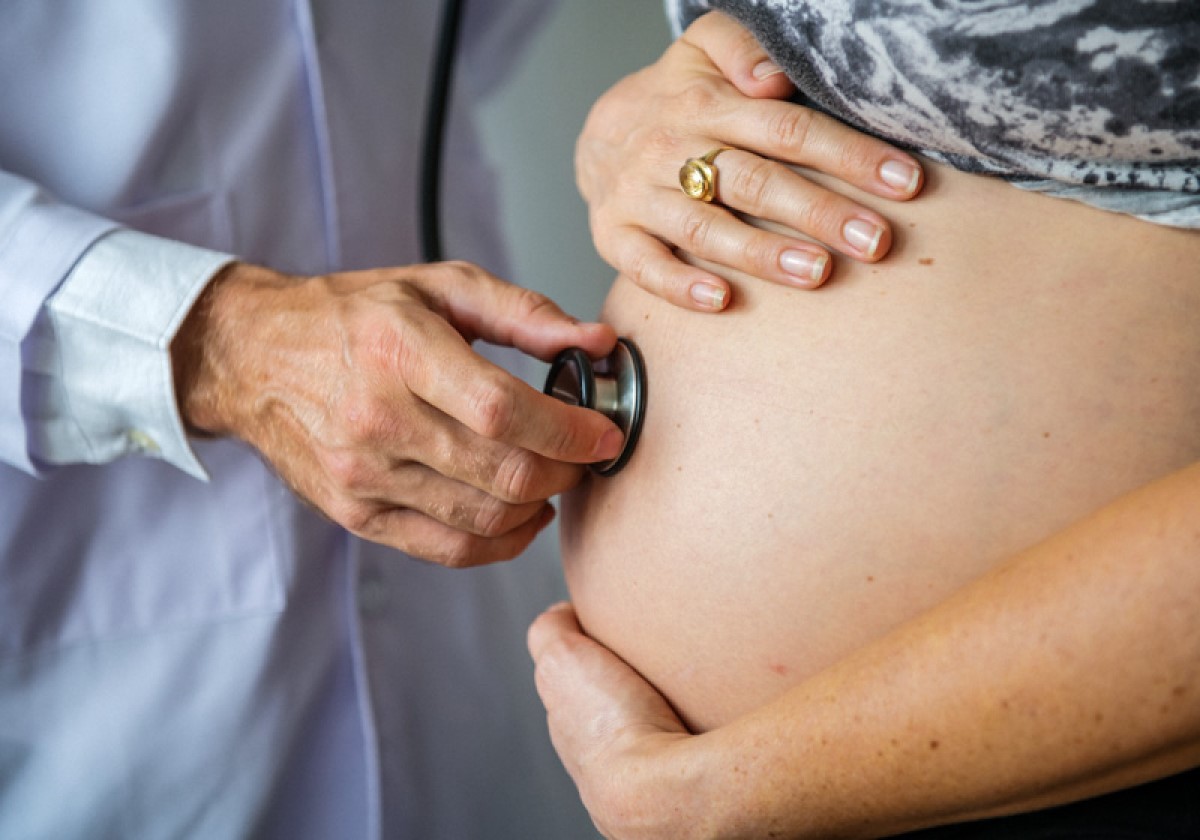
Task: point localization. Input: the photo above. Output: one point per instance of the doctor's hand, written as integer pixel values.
(362, 391)
(616, 735)
(715, 87)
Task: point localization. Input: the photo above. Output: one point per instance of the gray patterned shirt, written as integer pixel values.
(1095, 100)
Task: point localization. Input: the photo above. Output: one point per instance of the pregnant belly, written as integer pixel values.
(817, 467)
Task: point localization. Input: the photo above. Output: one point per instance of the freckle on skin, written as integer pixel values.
(926, 261)
(870, 578)
(1045, 434)
(933, 745)
(779, 668)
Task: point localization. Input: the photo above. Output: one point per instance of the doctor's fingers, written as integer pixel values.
(518, 431)
(434, 460)
(427, 538)
(361, 485)
(416, 508)
(480, 305)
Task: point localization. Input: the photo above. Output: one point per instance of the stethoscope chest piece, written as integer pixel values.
(614, 386)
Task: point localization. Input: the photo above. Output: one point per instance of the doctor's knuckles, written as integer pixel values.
(362, 391)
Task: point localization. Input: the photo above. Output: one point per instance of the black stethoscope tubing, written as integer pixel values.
(437, 109)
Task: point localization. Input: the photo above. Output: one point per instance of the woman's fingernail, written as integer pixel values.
(862, 236)
(804, 266)
(766, 69)
(900, 175)
(708, 295)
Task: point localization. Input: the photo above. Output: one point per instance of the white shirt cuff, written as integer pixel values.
(102, 348)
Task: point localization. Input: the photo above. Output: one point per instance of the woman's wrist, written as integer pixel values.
(717, 786)
(660, 785)
(700, 776)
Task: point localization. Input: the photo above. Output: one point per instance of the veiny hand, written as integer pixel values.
(362, 391)
(611, 729)
(715, 86)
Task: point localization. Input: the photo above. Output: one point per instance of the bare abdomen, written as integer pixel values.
(817, 467)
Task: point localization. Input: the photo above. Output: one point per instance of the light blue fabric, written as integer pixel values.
(185, 649)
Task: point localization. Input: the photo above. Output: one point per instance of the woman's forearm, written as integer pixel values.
(1070, 671)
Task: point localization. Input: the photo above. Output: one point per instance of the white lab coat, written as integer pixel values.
(182, 657)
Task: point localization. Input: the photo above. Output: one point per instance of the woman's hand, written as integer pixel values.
(715, 87)
(610, 728)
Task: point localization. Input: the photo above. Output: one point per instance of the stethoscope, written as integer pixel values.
(614, 385)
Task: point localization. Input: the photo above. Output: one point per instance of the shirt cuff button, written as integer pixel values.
(142, 442)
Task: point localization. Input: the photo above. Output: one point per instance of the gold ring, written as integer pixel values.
(698, 177)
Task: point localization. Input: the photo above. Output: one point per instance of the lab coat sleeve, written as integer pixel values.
(89, 311)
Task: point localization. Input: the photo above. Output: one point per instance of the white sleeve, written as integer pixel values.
(40, 240)
(98, 378)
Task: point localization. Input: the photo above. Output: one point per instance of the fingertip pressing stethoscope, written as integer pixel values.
(614, 385)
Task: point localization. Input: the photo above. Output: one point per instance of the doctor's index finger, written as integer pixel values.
(487, 307)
